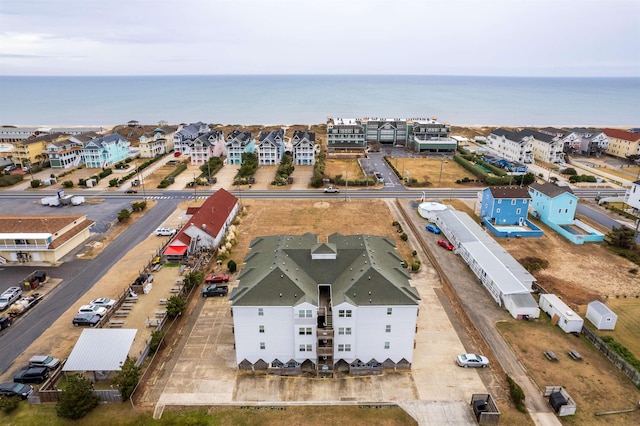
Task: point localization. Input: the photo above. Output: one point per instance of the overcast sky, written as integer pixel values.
(429, 37)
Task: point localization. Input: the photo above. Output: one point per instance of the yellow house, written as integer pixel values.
(31, 151)
(622, 143)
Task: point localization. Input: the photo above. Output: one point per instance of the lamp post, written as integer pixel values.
(441, 169)
(194, 187)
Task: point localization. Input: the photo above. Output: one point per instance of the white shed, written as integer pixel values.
(521, 305)
(560, 313)
(601, 316)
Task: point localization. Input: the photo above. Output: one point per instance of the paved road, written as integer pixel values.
(78, 277)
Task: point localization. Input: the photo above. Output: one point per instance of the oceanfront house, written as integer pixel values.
(17, 134)
(622, 143)
(511, 146)
(304, 148)
(65, 154)
(105, 151)
(345, 137)
(504, 278)
(237, 144)
(205, 228)
(46, 239)
(158, 142)
(319, 305)
(34, 150)
(205, 146)
(585, 142)
(556, 207)
(186, 134)
(546, 148)
(431, 136)
(632, 197)
(270, 147)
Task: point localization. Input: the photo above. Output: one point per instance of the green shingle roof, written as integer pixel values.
(285, 270)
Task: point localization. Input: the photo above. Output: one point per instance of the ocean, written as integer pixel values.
(309, 99)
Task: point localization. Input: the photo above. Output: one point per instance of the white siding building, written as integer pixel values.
(511, 146)
(345, 304)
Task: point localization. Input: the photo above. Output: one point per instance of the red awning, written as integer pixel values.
(175, 250)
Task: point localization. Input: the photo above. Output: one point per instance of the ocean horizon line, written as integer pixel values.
(569, 77)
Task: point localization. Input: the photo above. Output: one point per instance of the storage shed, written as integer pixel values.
(560, 313)
(601, 316)
(521, 306)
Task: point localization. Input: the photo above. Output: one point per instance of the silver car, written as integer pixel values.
(472, 360)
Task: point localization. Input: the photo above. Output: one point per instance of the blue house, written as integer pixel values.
(556, 207)
(105, 151)
(504, 211)
(237, 144)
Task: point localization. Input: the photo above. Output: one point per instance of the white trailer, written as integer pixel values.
(601, 316)
(561, 315)
(76, 200)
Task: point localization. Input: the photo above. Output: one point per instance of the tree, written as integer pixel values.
(127, 377)
(77, 399)
(231, 266)
(192, 279)
(124, 215)
(175, 306)
(621, 237)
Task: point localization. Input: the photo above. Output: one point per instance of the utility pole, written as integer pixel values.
(194, 186)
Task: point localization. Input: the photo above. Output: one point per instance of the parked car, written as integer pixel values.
(44, 361)
(9, 296)
(104, 302)
(165, 232)
(432, 228)
(31, 375)
(86, 319)
(15, 389)
(5, 322)
(177, 154)
(472, 360)
(215, 290)
(93, 309)
(220, 278)
(446, 244)
(331, 189)
(130, 191)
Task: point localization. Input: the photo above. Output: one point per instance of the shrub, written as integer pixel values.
(77, 399)
(534, 264)
(9, 403)
(127, 377)
(124, 215)
(231, 265)
(156, 340)
(517, 395)
(35, 183)
(404, 237)
(175, 306)
(67, 184)
(415, 265)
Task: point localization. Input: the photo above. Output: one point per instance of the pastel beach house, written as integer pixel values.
(556, 207)
(270, 147)
(105, 151)
(504, 211)
(304, 147)
(237, 144)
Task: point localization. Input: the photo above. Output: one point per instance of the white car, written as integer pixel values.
(331, 189)
(165, 232)
(472, 360)
(104, 302)
(93, 309)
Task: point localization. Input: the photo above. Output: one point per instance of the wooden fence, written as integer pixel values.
(616, 359)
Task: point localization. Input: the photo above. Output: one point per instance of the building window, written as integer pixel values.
(309, 313)
(341, 330)
(302, 348)
(301, 313)
(513, 202)
(340, 348)
(347, 347)
(497, 210)
(309, 347)
(347, 331)
(387, 345)
(348, 313)
(261, 328)
(262, 345)
(388, 328)
(389, 311)
(500, 201)
(260, 312)
(307, 331)
(517, 211)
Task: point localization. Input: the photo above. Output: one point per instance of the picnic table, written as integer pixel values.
(575, 355)
(550, 355)
(116, 323)
(162, 301)
(151, 322)
(121, 313)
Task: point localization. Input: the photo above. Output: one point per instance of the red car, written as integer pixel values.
(220, 278)
(177, 154)
(446, 244)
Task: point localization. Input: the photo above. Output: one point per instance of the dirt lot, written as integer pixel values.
(594, 383)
